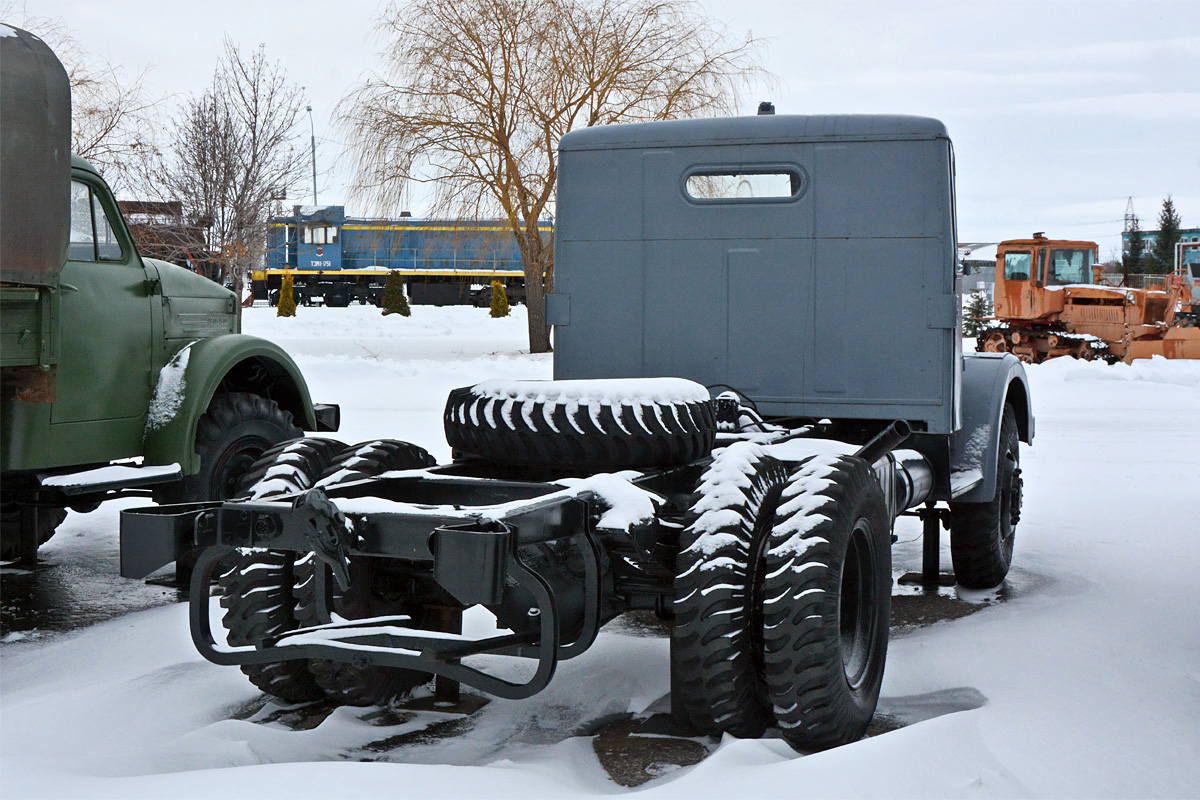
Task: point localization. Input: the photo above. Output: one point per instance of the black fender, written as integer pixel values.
(989, 381)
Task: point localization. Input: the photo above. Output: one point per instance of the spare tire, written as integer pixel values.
(631, 422)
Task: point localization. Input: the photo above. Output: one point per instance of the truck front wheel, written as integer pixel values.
(235, 431)
(981, 534)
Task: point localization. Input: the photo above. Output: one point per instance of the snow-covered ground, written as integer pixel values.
(1083, 682)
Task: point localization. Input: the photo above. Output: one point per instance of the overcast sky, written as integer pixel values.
(1059, 110)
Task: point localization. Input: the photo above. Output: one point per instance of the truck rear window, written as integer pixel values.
(744, 185)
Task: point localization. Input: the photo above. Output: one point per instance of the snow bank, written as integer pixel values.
(1177, 372)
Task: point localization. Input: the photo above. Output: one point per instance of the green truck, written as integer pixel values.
(119, 375)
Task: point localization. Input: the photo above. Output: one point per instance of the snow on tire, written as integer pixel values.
(372, 592)
(716, 644)
(289, 467)
(372, 459)
(258, 588)
(582, 424)
(827, 594)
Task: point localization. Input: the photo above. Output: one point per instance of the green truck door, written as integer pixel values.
(104, 372)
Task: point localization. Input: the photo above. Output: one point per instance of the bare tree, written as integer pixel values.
(233, 155)
(112, 110)
(474, 96)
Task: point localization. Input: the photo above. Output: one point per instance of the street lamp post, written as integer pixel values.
(313, 130)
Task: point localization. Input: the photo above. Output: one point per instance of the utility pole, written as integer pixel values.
(1131, 225)
(313, 130)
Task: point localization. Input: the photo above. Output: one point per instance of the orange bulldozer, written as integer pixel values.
(1052, 301)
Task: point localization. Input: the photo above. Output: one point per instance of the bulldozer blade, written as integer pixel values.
(1177, 343)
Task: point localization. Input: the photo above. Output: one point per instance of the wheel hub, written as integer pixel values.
(1014, 496)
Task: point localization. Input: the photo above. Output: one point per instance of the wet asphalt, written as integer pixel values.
(59, 598)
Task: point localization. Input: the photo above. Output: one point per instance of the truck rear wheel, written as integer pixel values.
(257, 595)
(982, 534)
(582, 425)
(716, 644)
(12, 521)
(827, 595)
(258, 589)
(373, 592)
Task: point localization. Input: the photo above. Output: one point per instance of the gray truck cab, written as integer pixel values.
(807, 262)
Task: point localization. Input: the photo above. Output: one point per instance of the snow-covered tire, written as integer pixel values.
(371, 594)
(373, 458)
(258, 589)
(12, 521)
(582, 424)
(716, 643)
(351, 684)
(289, 467)
(827, 591)
(257, 595)
(982, 534)
(234, 432)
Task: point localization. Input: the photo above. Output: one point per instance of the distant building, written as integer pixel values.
(1191, 255)
(979, 261)
(160, 231)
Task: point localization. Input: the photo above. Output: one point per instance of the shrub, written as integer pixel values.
(975, 317)
(499, 300)
(394, 301)
(287, 297)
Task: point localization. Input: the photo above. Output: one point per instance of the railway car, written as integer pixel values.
(335, 260)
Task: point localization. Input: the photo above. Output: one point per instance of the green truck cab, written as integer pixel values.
(118, 375)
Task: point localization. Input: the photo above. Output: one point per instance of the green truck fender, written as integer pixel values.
(201, 369)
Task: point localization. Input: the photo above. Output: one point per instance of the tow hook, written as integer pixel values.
(327, 532)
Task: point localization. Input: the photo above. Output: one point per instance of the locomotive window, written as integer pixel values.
(740, 186)
(320, 234)
(1017, 266)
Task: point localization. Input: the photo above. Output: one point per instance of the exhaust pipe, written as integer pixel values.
(884, 442)
(913, 479)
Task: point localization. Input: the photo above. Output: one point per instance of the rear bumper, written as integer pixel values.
(476, 556)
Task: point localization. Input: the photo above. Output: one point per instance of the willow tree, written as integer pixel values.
(473, 96)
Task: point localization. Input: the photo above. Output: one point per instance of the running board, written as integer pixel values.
(109, 479)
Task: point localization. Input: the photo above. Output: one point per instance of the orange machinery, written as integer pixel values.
(1051, 301)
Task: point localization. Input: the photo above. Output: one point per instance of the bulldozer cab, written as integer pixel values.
(1030, 272)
